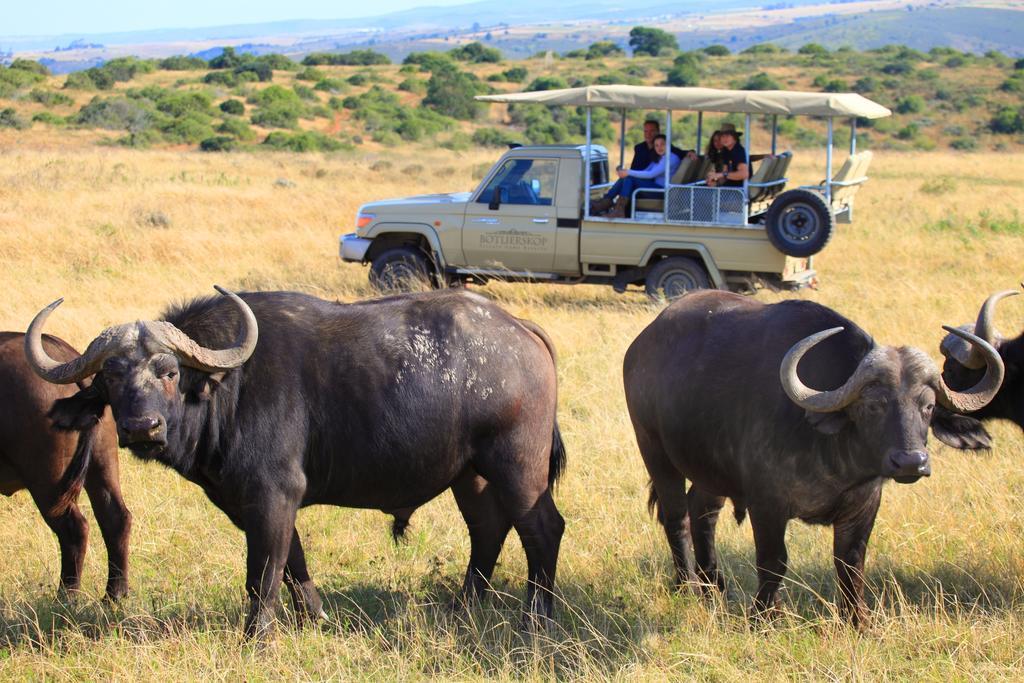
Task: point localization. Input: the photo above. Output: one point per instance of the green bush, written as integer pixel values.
(304, 141)
(813, 49)
(234, 107)
(381, 112)
(651, 41)
(182, 63)
(237, 128)
(717, 51)
(492, 137)
(413, 85)
(964, 144)
(476, 53)
(226, 78)
(760, 81)
(458, 142)
(603, 48)
(311, 74)
(15, 79)
(262, 71)
(911, 104)
(49, 98)
(429, 61)
(866, 84)
(516, 74)
(685, 71)
(908, 132)
(331, 85)
(357, 79)
(450, 92)
(31, 66)
(118, 113)
(304, 92)
(123, 69)
(191, 128)
(49, 118)
(547, 83)
(1007, 120)
(353, 58)
(1014, 84)
(178, 103)
(9, 119)
(763, 49)
(218, 143)
(279, 107)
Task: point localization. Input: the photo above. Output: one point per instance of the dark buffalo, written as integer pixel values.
(382, 404)
(704, 393)
(963, 366)
(53, 464)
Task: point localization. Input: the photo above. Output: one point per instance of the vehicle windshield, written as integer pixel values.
(523, 181)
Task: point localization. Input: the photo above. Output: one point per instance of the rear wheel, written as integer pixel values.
(799, 223)
(402, 269)
(674, 276)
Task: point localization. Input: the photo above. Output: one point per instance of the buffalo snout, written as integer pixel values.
(141, 431)
(906, 467)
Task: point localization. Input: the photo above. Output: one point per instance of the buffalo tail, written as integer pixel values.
(74, 476)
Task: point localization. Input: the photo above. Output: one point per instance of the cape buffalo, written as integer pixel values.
(383, 404)
(54, 464)
(705, 397)
(963, 366)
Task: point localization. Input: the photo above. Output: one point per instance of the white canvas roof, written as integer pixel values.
(703, 99)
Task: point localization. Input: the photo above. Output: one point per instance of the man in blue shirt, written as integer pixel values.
(630, 180)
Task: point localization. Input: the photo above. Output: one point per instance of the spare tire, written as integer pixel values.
(799, 223)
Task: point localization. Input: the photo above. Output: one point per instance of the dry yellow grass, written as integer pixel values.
(122, 233)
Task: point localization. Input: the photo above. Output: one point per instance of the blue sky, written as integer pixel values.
(92, 16)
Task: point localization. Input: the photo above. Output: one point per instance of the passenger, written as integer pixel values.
(629, 180)
(644, 154)
(735, 168)
(714, 153)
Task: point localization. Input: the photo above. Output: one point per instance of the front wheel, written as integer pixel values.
(674, 276)
(402, 269)
(799, 223)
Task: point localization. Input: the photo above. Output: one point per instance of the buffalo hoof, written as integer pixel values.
(259, 625)
(537, 624)
(116, 593)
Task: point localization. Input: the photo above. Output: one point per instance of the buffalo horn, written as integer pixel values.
(823, 401)
(978, 396)
(967, 354)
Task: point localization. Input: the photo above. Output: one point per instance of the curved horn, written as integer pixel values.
(53, 371)
(812, 399)
(978, 396)
(967, 354)
(210, 360)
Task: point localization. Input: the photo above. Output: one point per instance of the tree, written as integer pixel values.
(651, 41)
(451, 92)
(717, 51)
(685, 71)
(813, 49)
(603, 48)
(476, 53)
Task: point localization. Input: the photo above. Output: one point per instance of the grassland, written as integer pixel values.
(121, 233)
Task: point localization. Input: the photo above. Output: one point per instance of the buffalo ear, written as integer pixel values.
(79, 412)
(827, 423)
(959, 431)
(205, 384)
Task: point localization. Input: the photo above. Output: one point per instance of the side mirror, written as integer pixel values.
(535, 186)
(495, 200)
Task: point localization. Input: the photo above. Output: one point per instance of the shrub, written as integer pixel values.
(911, 104)
(49, 98)
(190, 128)
(226, 78)
(964, 144)
(476, 53)
(651, 41)
(685, 71)
(1007, 120)
(357, 79)
(9, 119)
(353, 58)
(234, 107)
(908, 132)
(381, 112)
(304, 92)
(16, 79)
(310, 74)
(547, 83)
(30, 66)
(49, 118)
(516, 74)
(900, 68)
(716, 51)
(218, 143)
(413, 85)
(763, 49)
(1015, 83)
(305, 141)
(458, 142)
(760, 81)
(237, 128)
(429, 61)
(124, 69)
(117, 113)
(491, 137)
(261, 70)
(450, 92)
(279, 107)
(182, 63)
(331, 85)
(603, 48)
(866, 84)
(77, 80)
(813, 49)
(227, 59)
(183, 103)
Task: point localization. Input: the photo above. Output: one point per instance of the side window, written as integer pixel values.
(523, 181)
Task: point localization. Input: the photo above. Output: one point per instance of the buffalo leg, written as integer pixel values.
(269, 528)
(540, 530)
(850, 544)
(72, 536)
(488, 526)
(305, 598)
(770, 546)
(103, 485)
(669, 488)
(703, 512)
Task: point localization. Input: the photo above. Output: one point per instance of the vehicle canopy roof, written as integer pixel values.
(702, 99)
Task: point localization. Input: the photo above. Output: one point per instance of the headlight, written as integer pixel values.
(364, 219)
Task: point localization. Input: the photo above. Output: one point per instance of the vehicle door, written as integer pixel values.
(511, 222)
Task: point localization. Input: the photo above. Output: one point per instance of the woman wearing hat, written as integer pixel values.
(734, 169)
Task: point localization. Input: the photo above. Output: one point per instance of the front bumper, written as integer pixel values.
(353, 248)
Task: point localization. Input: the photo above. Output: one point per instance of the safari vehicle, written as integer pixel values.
(530, 218)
